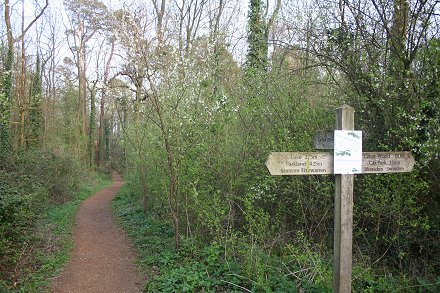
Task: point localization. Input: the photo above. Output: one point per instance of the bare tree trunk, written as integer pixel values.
(160, 11)
(5, 110)
(22, 91)
(8, 24)
(398, 37)
(82, 90)
(397, 61)
(82, 86)
(100, 156)
(172, 172)
(144, 187)
(91, 138)
(217, 51)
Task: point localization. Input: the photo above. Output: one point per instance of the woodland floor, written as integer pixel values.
(102, 259)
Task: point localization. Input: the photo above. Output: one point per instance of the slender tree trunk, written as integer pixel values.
(160, 11)
(91, 138)
(172, 196)
(82, 89)
(397, 65)
(217, 50)
(100, 156)
(143, 179)
(398, 38)
(100, 159)
(5, 105)
(22, 91)
(142, 167)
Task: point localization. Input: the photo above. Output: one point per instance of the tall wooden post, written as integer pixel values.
(315, 163)
(343, 214)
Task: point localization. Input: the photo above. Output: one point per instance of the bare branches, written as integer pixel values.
(32, 22)
(8, 24)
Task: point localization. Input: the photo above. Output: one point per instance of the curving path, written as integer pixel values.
(102, 259)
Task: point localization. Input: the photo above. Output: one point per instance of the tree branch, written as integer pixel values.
(32, 22)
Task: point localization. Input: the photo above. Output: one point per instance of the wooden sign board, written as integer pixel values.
(387, 162)
(300, 163)
(324, 140)
(311, 163)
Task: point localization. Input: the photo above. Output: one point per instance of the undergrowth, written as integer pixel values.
(48, 242)
(198, 267)
(186, 270)
(195, 267)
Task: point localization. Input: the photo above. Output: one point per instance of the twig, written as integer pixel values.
(377, 260)
(243, 288)
(294, 273)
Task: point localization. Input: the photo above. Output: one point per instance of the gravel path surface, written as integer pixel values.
(102, 259)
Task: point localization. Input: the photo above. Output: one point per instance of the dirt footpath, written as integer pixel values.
(102, 259)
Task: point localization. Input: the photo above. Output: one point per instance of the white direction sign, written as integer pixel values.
(311, 163)
(348, 152)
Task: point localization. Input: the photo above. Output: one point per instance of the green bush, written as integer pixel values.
(31, 181)
(15, 216)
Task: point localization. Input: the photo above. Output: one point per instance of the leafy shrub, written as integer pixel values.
(15, 215)
(30, 182)
(194, 267)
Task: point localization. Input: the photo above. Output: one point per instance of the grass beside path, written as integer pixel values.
(54, 231)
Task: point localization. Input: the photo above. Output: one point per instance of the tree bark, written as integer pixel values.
(100, 156)
(5, 110)
(22, 92)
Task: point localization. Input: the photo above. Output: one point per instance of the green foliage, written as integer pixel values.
(195, 268)
(15, 217)
(92, 128)
(388, 215)
(396, 219)
(278, 230)
(257, 37)
(35, 116)
(38, 201)
(6, 100)
(227, 198)
(366, 280)
(191, 268)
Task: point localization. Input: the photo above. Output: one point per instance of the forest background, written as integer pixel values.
(186, 98)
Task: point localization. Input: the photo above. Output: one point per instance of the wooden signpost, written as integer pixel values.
(317, 163)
